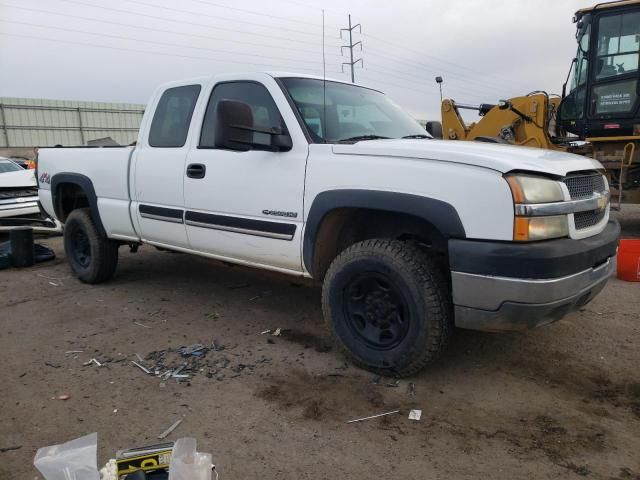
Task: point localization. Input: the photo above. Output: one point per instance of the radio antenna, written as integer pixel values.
(323, 124)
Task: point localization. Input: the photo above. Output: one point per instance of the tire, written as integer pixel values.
(92, 258)
(388, 307)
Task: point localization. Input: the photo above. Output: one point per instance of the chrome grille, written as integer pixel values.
(588, 219)
(581, 187)
(18, 193)
(584, 186)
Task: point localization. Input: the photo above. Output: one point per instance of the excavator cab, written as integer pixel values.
(604, 93)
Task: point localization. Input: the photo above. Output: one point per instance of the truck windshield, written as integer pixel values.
(339, 112)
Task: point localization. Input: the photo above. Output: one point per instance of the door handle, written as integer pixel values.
(196, 170)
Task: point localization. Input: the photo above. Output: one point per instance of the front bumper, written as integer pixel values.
(501, 286)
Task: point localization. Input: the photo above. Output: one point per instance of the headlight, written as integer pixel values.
(531, 189)
(528, 229)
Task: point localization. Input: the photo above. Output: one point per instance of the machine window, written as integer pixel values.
(618, 45)
(265, 112)
(170, 124)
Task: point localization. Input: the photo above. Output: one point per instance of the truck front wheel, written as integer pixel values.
(92, 257)
(387, 306)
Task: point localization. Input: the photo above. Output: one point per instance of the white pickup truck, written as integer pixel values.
(410, 236)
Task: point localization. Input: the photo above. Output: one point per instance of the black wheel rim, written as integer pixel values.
(80, 247)
(376, 310)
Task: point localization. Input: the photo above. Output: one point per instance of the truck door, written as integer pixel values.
(158, 198)
(247, 206)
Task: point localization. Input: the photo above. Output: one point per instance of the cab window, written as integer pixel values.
(265, 112)
(170, 124)
(618, 45)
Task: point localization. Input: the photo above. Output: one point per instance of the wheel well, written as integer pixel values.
(343, 227)
(68, 197)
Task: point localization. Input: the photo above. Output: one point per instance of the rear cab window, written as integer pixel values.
(171, 120)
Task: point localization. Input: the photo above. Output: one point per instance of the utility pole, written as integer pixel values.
(352, 63)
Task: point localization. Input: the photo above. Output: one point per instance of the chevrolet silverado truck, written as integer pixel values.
(409, 236)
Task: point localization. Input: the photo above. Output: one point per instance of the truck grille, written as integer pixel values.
(9, 193)
(588, 219)
(584, 186)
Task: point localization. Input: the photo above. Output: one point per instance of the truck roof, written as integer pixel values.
(607, 5)
(248, 76)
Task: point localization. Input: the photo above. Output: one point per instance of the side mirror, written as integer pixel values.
(235, 130)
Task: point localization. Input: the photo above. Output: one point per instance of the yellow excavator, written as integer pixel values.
(599, 115)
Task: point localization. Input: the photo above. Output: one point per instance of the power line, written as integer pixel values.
(171, 20)
(352, 63)
(425, 55)
(160, 30)
(254, 12)
(164, 44)
(152, 52)
(218, 17)
(435, 70)
(411, 77)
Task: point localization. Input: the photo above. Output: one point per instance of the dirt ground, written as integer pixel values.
(561, 401)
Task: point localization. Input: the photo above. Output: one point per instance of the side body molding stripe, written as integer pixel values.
(173, 215)
(247, 226)
(441, 215)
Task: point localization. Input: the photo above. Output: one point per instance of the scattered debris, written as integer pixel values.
(52, 365)
(394, 384)
(415, 414)
(373, 416)
(139, 358)
(277, 332)
(96, 362)
(64, 397)
(11, 448)
(170, 429)
(145, 370)
(196, 350)
(411, 389)
(255, 298)
(265, 332)
(213, 315)
(69, 352)
(141, 325)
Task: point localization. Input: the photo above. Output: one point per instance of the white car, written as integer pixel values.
(410, 236)
(18, 190)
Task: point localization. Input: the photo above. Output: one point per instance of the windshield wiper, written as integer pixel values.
(419, 135)
(363, 137)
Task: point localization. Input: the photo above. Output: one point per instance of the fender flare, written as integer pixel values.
(86, 184)
(442, 215)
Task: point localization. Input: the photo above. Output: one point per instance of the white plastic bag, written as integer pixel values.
(74, 460)
(187, 464)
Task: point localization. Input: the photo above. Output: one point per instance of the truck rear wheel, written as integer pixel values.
(92, 257)
(387, 306)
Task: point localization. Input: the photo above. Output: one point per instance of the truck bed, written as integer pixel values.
(108, 171)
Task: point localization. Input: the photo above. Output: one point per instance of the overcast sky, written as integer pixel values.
(118, 51)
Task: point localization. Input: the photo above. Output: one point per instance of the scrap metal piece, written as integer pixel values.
(145, 370)
(170, 429)
(372, 416)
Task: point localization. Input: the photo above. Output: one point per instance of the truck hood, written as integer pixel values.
(19, 178)
(503, 158)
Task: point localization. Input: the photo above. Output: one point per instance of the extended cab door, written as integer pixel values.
(247, 206)
(158, 168)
